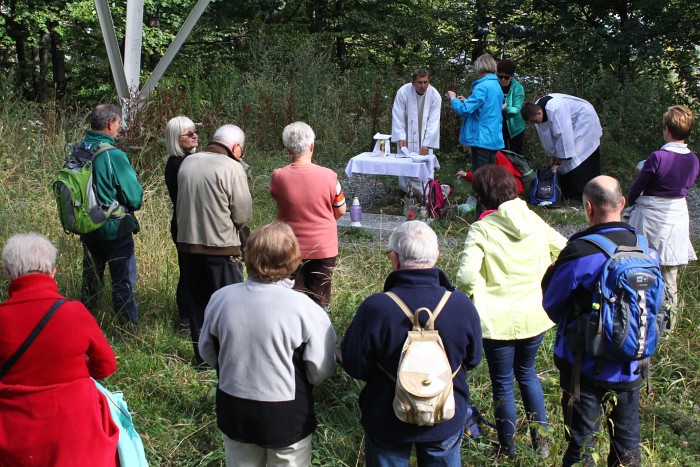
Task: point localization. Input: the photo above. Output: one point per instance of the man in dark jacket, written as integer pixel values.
(113, 243)
(377, 334)
(569, 284)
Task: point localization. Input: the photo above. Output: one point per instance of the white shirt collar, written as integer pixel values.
(678, 148)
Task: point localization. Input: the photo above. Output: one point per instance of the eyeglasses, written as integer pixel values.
(190, 134)
(504, 77)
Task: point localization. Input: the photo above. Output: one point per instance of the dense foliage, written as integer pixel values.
(335, 64)
(55, 49)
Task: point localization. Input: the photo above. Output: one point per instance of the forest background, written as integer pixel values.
(262, 64)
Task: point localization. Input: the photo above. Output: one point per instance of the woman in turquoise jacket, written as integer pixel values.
(514, 94)
(505, 256)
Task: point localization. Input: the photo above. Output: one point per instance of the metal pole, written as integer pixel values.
(132, 43)
(115, 57)
(132, 58)
(173, 49)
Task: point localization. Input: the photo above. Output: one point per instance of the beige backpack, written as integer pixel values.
(424, 394)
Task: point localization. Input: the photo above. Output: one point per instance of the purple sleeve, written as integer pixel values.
(647, 173)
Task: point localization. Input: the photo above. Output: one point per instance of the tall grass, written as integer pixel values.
(173, 404)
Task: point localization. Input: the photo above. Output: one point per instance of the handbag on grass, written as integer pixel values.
(130, 446)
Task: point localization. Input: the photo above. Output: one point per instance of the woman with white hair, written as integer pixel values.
(51, 413)
(309, 198)
(482, 119)
(181, 140)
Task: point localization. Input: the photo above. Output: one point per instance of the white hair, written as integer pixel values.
(229, 135)
(176, 127)
(416, 245)
(298, 137)
(485, 64)
(28, 253)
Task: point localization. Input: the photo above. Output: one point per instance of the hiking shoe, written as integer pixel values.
(503, 451)
(540, 445)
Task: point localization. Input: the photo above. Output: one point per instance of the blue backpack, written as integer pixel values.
(545, 189)
(629, 310)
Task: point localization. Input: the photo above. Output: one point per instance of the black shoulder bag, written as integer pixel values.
(32, 336)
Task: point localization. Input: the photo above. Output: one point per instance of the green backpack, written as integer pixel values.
(79, 209)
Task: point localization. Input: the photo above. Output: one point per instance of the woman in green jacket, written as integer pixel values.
(506, 253)
(514, 98)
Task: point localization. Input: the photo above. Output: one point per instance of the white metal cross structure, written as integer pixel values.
(127, 74)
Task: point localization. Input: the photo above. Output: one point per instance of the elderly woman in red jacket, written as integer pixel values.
(50, 410)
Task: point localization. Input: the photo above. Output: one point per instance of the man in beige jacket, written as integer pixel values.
(213, 208)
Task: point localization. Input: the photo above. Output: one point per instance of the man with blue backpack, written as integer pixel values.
(606, 294)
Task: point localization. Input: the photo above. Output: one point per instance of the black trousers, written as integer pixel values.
(572, 183)
(514, 143)
(314, 278)
(201, 276)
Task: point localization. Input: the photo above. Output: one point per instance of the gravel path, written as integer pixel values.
(384, 192)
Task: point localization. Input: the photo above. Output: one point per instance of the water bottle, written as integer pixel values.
(409, 205)
(355, 213)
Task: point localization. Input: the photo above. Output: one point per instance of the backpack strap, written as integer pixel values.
(401, 304)
(610, 247)
(412, 316)
(575, 378)
(604, 244)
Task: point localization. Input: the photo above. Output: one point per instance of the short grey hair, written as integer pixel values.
(229, 135)
(28, 253)
(485, 65)
(416, 245)
(102, 115)
(176, 127)
(601, 196)
(298, 137)
(419, 73)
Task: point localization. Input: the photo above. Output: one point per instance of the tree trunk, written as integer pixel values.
(17, 33)
(58, 63)
(43, 56)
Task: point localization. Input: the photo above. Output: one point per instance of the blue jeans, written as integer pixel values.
(120, 257)
(444, 453)
(504, 359)
(622, 423)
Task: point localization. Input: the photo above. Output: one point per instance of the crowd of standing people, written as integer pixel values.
(266, 329)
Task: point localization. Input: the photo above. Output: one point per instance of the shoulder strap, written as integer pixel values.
(603, 243)
(401, 304)
(642, 243)
(407, 311)
(32, 336)
(100, 148)
(441, 304)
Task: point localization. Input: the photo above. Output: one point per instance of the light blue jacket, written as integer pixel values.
(482, 118)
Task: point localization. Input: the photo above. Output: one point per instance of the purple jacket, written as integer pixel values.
(666, 174)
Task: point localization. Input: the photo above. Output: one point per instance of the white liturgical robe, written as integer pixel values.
(405, 122)
(572, 130)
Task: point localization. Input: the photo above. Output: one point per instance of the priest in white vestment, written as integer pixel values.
(570, 131)
(415, 120)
